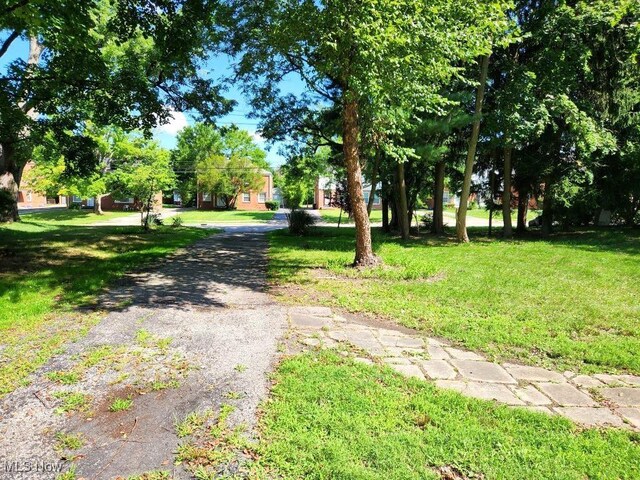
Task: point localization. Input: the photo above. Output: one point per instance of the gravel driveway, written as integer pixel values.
(197, 332)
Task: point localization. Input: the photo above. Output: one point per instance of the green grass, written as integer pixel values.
(331, 215)
(121, 404)
(70, 217)
(235, 216)
(71, 402)
(570, 302)
(497, 215)
(330, 417)
(47, 271)
(68, 441)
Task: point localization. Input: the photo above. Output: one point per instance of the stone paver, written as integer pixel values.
(533, 374)
(566, 395)
(585, 381)
(482, 371)
(624, 396)
(596, 417)
(610, 379)
(529, 394)
(315, 311)
(437, 352)
(630, 415)
(592, 400)
(397, 361)
(483, 391)
(438, 369)
(631, 379)
(462, 354)
(307, 321)
(409, 371)
(410, 342)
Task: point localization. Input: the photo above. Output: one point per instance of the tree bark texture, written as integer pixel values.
(507, 229)
(461, 219)
(403, 213)
(437, 227)
(364, 250)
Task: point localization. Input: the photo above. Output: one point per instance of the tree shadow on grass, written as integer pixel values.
(81, 261)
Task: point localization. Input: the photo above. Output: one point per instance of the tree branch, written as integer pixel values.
(312, 85)
(15, 6)
(7, 43)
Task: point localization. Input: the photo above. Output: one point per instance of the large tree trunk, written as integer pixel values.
(374, 181)
(393, 203)
(385, 215)
(403, 211)
(10, 174)
(364, 251)
(547, 208)
(523, 209)
(437, 226)
(11, 168)
(507, 229)
(385, 207)
(97, 206)
(461, 219)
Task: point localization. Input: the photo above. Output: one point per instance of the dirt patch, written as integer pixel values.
(448, 472)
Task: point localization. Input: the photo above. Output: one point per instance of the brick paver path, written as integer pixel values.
(597, 400)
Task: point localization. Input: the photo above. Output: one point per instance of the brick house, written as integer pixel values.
(111, 204)
(251, 200)
(29, 198)
(325, 191)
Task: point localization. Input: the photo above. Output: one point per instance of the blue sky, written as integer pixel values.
(217, 67)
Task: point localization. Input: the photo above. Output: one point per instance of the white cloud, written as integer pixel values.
(176, 123)
(257, 137)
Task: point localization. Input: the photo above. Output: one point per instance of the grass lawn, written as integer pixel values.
(71, 217)
(47, 270)
(483, 213)
(570, 302)
(330, 417)
(331, 216)
(236, 216)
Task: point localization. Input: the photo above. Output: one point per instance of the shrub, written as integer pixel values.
(299, 222)
(272, 205)
(154, 219)
(176, 221)
(75, 206)
(427, 221)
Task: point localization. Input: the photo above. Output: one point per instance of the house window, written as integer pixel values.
(220, 202)
(262, 197)
(76, 199)
(206, 197)
(123, 200)
(246, 197)
(29, 196)
(376, 199)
